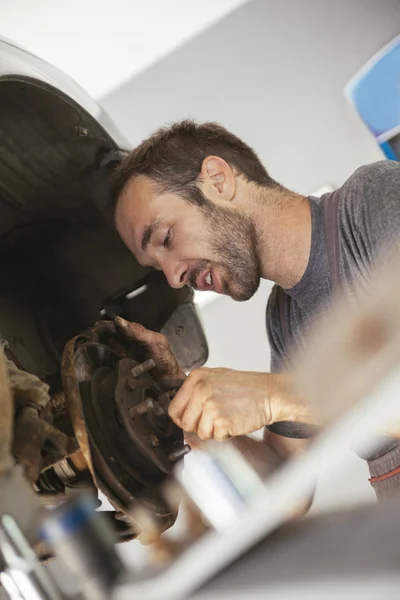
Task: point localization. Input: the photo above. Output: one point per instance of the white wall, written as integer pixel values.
(102, 44)
(273, 72)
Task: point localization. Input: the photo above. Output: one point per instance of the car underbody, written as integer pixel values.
(64, 268)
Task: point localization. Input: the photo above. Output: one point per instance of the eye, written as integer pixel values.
(167, 239)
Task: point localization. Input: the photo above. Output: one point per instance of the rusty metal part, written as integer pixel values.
(78, 461)
(27, 388)
(144, 428)
(179, 453)
(120, 418)
(56, 407)
(72, 397)
(143, 367)
(37, 443)
(54, 483)
(7, 414)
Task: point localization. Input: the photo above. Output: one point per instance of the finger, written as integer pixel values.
(133, 331)
(221, 430)
(205, 430)
(179, 403)
(193, 413)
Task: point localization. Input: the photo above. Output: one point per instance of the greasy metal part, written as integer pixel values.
(179, 453)
(143, 367)
(76, 414)
(69, 473)
(37, 443)
(7, 414)
(64, 471)
(120, 416)
(17, 497)
(27, 388)
(72, 397)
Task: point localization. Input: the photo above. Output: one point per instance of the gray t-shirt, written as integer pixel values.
(368, 224)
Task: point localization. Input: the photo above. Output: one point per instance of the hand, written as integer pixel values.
(155, 346)
(221, 403)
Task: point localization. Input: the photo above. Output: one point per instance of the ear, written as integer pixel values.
(217, 179)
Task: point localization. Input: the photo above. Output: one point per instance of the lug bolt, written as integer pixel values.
(179, 453)
(141, 409)
(143, 367)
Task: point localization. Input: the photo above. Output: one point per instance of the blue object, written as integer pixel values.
(375, 95)
(68, 519)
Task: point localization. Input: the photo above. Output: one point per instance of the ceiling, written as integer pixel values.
(102, 44)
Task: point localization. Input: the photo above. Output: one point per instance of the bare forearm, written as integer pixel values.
(258, 454)
(285, 404)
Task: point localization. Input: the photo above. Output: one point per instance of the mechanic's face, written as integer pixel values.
(212, 249)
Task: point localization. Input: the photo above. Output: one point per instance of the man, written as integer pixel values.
(196, 202)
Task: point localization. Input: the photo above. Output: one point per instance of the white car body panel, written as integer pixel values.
(17, 62)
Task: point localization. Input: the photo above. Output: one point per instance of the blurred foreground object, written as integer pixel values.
(356, 349)
(84, 542)
(351, 377)
(23, 577)
(375, 94)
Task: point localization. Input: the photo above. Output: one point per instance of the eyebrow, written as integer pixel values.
(148, 232)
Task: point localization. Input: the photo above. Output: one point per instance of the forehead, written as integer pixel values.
(140, 205)
(135, 210)
(137, 196)
(142, 200)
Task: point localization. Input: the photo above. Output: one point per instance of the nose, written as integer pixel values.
(175, 274)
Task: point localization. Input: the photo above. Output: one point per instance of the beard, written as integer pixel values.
(232, 241)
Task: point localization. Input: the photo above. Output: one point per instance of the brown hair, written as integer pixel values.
(172, 157)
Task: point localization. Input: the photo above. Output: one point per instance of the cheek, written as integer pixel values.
(189, 244)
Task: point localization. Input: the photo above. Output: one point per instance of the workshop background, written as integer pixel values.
(272, 72)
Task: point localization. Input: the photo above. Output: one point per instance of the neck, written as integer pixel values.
(283, 227)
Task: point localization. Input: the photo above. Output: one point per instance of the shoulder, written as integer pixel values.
(370, 201)
(368, 173)
(371, 182)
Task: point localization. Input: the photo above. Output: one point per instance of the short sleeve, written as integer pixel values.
(372, 210)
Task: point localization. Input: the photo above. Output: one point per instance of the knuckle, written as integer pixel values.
(201, 385)
(212, 408)
(160, 341)
(188, 426)
(221, 424)
(172, 410)
(194, 375)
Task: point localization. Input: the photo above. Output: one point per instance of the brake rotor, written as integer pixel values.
(120, 419)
